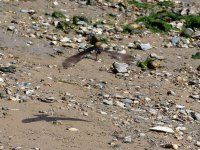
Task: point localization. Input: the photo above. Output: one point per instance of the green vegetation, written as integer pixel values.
(196, 56)
(140, 4)
(166, 4)
(192, 21)
(160, 21)
(146, 63)
(67, 25)
(64, 25)
(58, 14)
(104, 39)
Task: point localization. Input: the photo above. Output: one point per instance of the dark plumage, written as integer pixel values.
(71, 61)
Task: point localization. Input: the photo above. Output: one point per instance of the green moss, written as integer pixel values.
(192, 21)
(196, 56)
(58, 14)
(159, 22)
(64, 25)
(166, 4)
(104, 39)
(158, 25)
(144, 64)
(140, 4)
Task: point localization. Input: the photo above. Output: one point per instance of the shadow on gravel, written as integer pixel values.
(47, 118)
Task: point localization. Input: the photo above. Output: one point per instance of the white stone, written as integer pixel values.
(162, 129)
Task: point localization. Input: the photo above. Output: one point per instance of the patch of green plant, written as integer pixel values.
(64, 25)
(58, 14)
(166, 4)
(192, 21)
(166, 15)
(159, 22)
(196, 56)
(158, 25)
(140, 4)
(104, 39)
(9, 69)
(129, 29)
(145, 64)
(75, 19)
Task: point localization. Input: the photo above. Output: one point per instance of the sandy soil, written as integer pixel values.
(34, 124)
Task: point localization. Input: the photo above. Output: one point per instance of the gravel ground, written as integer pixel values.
(94, 104)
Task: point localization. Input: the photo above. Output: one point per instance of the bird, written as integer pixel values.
(97, 47)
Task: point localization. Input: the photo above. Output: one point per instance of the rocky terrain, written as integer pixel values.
(153, 103)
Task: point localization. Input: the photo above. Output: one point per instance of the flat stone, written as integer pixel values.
(108, 102)
(120, 104)
(73, 129)
(145, 47)
(162, 129)
(120, 67)
(154, 55)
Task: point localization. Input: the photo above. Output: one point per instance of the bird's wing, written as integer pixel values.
(126, 58)
(71, 61)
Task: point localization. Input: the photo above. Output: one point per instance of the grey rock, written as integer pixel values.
(82, 45)
(171, 93)
(120, 67)
(11, 28)
(197, 143)
(120, 104)
(195, 116)
(81, 23)
(175, 40)
(145, 47)
(131, 45)
(184, 11)
(188, 32)
(154, 55)
(27, 11)
(83, 2)
(127, 101)
(196, 34)
(108, 102)
(127, 139)
(195, 96)
(152, 111)
(17, 148)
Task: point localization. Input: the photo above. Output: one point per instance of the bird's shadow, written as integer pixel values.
(47, 118)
